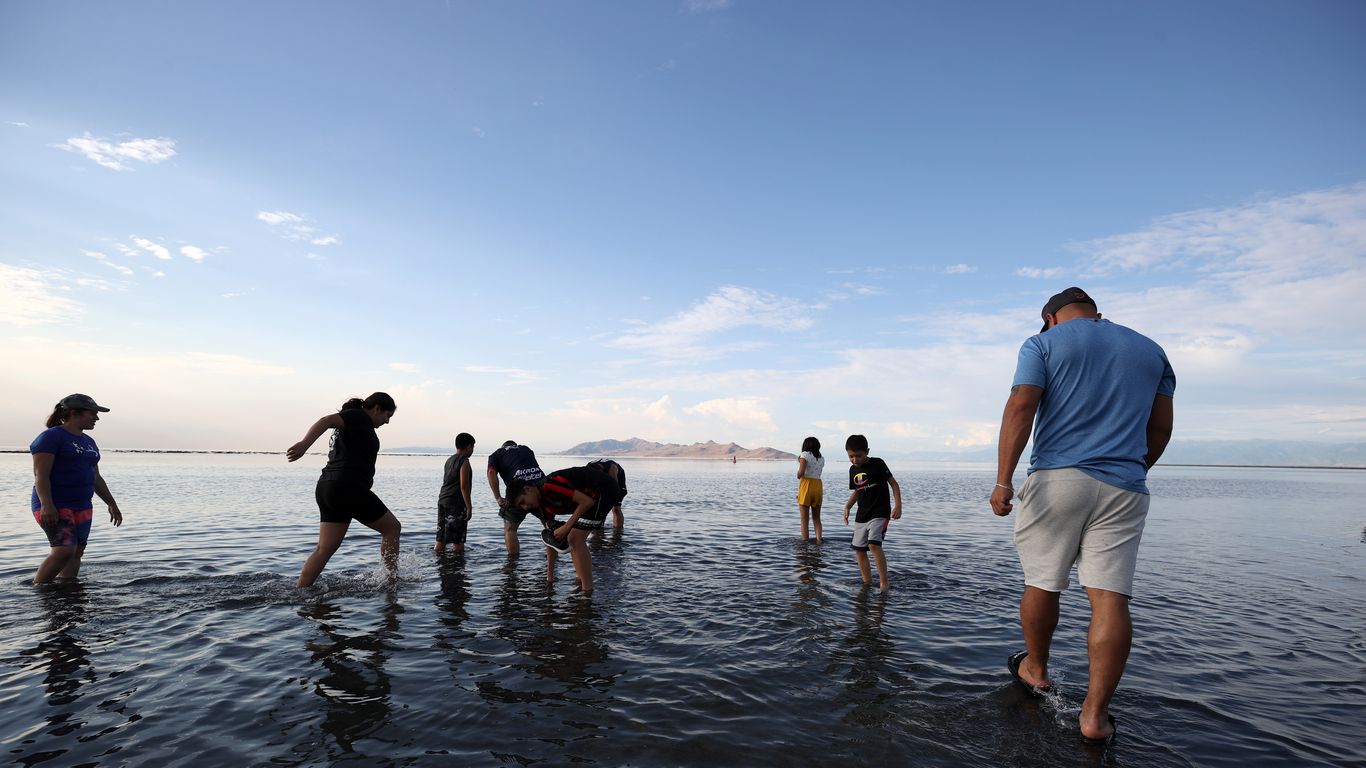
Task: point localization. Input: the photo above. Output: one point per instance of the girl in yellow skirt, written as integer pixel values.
(809, 491)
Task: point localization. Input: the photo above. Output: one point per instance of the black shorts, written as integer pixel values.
(595, 516)
(344, 502)
(451, 525)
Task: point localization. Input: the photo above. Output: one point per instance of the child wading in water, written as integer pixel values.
(810, 493)
(588, 493)
(453, 507)
(869, 478)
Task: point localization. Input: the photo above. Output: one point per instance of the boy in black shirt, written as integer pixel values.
(869, 478)
(512, 462)
(453, 507)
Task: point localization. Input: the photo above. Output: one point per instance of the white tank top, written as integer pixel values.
(813, 465)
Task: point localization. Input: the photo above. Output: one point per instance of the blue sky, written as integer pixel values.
(746, 221)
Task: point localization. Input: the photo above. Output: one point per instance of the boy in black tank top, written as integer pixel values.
(453, 505)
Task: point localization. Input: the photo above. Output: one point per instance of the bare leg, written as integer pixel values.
(617, 518)
(806, 521)
(56, 562)
(510, 538)
(330, 537)
(1038, 619)
(1107, 644)
(583, 560)
(862, 558)
(551, 556)
(73, 566)
(389, 531)
(881, 560)
(816, 521)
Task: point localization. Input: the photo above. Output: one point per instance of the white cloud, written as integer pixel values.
(279, 217)
(404, 367)
(1040, 273)
(17, 124)
(194, 253)
(233, 365)
(296, 227)
(741, 412)
(705, 6)
(518, 375)
(160, 251)
(959, 269)
(30, 297)
(730, 308)
(478, 132)
(115, 155)
(1281, 236)
(661, 411)
(316, 257)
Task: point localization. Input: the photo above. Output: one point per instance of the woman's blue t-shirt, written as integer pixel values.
(73, 468)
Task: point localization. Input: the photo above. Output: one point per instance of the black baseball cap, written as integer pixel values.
(1073, 295)
(81, 402)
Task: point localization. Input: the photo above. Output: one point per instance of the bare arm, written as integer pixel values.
(1160, 423)
(493, 486)
(42, 483)
(466, 480)
(1016, 423)
(801, 468)
(584, 503)
(102, 490)
(330, 421)
(853, 496)
(896, 495)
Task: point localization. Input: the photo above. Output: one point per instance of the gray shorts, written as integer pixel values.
(870, 533)
(1065, 516)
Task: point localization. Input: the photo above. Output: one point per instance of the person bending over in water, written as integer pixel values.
(343, 492)
(581, 490)
(453, 508)
(512, 462)
(618, 474)
(66, 474)
(810, 492)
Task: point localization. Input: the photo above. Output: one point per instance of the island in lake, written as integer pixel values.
(708, 450)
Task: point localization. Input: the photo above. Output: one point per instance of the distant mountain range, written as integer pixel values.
(708, 450)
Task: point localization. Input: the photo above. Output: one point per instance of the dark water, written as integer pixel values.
(714, 637)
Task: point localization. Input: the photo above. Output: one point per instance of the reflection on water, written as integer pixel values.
(354, 686)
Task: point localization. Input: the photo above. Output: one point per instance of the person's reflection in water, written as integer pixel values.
(870, 685)
(455, 592)
(563, 685)
(354, 686)
(66, 662)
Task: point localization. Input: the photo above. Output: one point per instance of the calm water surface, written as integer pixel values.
(715, 637)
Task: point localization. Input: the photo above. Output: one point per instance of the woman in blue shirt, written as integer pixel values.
(66, 477)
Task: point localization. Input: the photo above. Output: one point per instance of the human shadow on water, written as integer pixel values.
(354, 686)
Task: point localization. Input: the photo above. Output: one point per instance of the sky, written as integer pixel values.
(727, 220)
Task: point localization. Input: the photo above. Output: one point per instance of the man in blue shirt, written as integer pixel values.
(1103, 397)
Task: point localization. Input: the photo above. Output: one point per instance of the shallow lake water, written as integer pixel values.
(714, 636)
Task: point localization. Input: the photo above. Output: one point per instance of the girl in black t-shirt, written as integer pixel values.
(343, 492)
